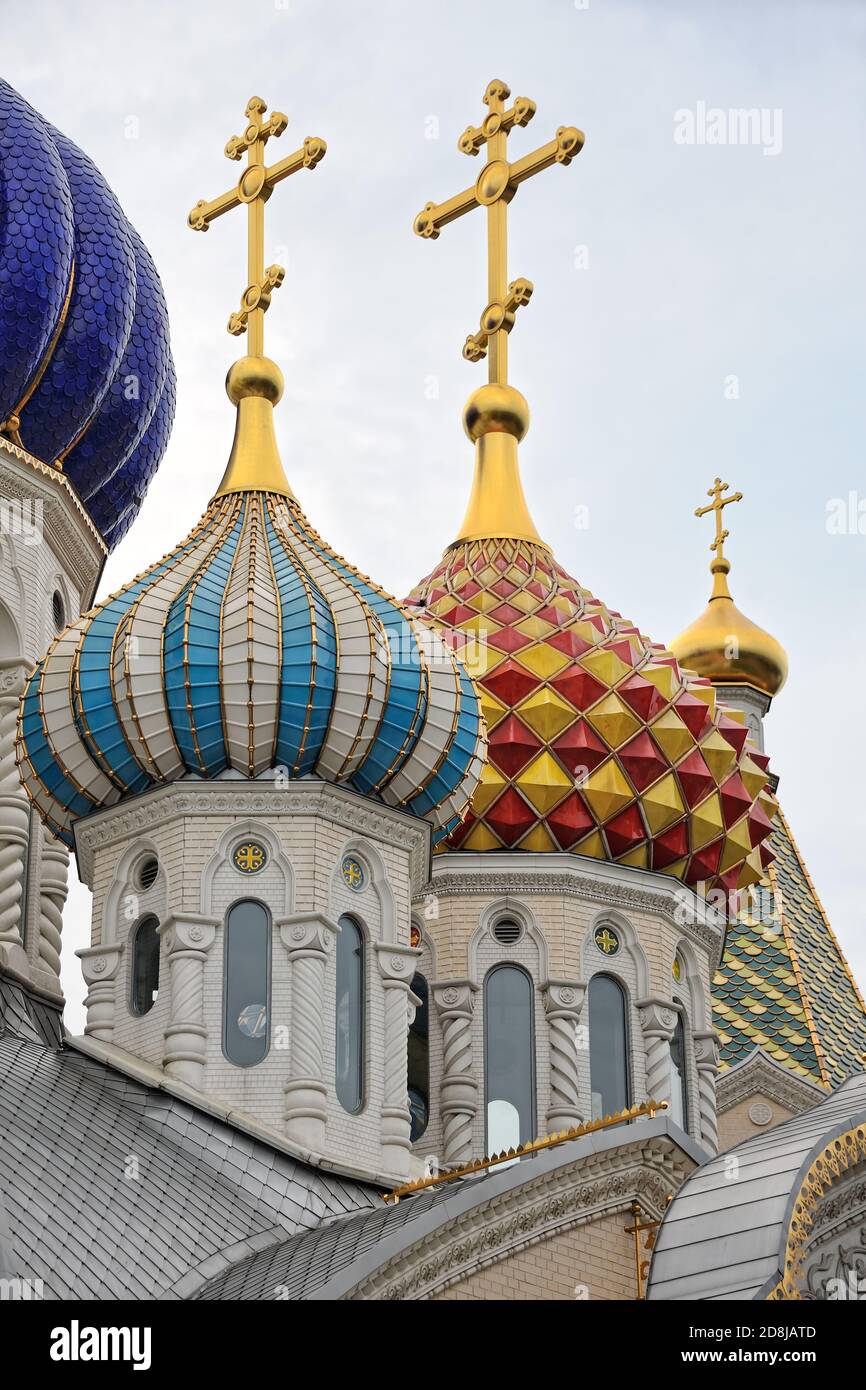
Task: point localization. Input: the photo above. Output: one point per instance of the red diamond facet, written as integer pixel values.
(705, 863)
(507, 613)
(735, 733)
(508, 639)
(642, 696)
(625, 831)
(693, 712)
(510, 816)
(642, 761)
(760, 825)
(735, 799)
(670, 846)
(695, 777)
(503, 588)
(511, 745)
(568, 642)
(510, 683)
(580, 747)
(570, 821)
(579, 687)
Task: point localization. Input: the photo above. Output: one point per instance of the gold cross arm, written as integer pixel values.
(496, 317)
(494, 189)
(717, 505)
(254, 188)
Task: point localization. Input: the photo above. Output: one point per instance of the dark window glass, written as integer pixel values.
(350, 1016)
(679, 1107)
(508, 1058)
(247, 984)
(419, 1060)
(608, 1047)
(145, 965)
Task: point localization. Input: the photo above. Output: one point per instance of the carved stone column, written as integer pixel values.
(658, 1021)
(707, 1059)
(189, 938)
(99, 966)
(308, 937)
(14, 821)
(396, 967)
(454, 1001)
(563, 1001)
(53, 887)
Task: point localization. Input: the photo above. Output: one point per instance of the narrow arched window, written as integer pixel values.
(608, 1046)
(350, 1016)
(419, 1059)
(509, 1058)
(679, 1101)
(246, 1030)
(145, 965)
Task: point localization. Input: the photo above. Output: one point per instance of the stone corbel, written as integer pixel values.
(707, 1061)
(563, 1002)
(309, 939)
(396, 968)
(188, 938)
(99, 966)
(455, 1000)
(658, 1021)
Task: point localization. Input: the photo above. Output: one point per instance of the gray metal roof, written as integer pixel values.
(113, 1189)
(331, 1261)
(723, 1235)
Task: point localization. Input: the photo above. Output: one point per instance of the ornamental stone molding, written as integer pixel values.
(396, 967)
(309, 940)
(68, 529)
(455, 1001)
(99, 966)
(572, 1194)
(758, 1075)
(474, 875)
(563, 1002)
(263, 798)
(658, 1021)
(188, 937)
(706, 1046)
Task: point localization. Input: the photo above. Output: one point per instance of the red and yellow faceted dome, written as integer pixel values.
(599, 743)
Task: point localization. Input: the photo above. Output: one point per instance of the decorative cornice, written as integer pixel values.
(758, 1074)
(69, 530)
(264, 798)
(544, 1205)
(607, 885)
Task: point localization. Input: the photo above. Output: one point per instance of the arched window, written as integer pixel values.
(350, 1016)
(679, 1101)
(246, 1031)
(419, 1059)
(509, 1060)
(608, 1046)
(145, 966)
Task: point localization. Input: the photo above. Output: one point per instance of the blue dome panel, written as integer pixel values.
(84, 344)
(99, 318)
(36, 245)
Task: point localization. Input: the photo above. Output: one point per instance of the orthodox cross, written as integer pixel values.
(254, 187)
(718, 504)
(494, 188)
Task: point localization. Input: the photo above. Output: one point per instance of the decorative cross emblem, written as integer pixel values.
(353, 874)
(494, 188)
(254, 187)
(249, 858)
(718, 505)
(606, 941)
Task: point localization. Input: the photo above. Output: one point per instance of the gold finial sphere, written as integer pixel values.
(494, 409)
(254, 376)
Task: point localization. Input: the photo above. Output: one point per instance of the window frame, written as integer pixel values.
(133, 953)
(502, 965)
(355, 922)
(238, 902)
(627, 1031)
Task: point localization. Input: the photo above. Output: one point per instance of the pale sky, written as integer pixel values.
(662, 270)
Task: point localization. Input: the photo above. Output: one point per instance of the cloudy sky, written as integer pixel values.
(698, 307)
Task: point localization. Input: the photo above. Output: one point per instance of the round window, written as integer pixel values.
(507, 931)
(249, 857)
(354, 873)
(147, 872)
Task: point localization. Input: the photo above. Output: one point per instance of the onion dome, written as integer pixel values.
(252, 645)
(599, 743)
(86, 377)
(723, 644)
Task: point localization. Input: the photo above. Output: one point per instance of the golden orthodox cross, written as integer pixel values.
(254, 187)
(718, 505)
(494, 188)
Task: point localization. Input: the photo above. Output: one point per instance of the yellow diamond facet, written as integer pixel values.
(607, 790)
(480, 838)
(605, 665)
(613, 720)
(706, 821)
(544, 783)
(539, 840)
(718, 754)
(491, 784)
(541, 660)
(670, 733)
(662, 804)
(546, 713)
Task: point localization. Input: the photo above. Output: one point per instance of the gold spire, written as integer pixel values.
(496, 416)
(255, 383)
(723, 644)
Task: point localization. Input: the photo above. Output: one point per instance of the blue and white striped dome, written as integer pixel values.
(251, 646)
(85, 365)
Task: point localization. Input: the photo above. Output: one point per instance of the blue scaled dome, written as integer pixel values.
(86, 376)
(251, 646)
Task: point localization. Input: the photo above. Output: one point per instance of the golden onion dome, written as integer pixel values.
(723, 645)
